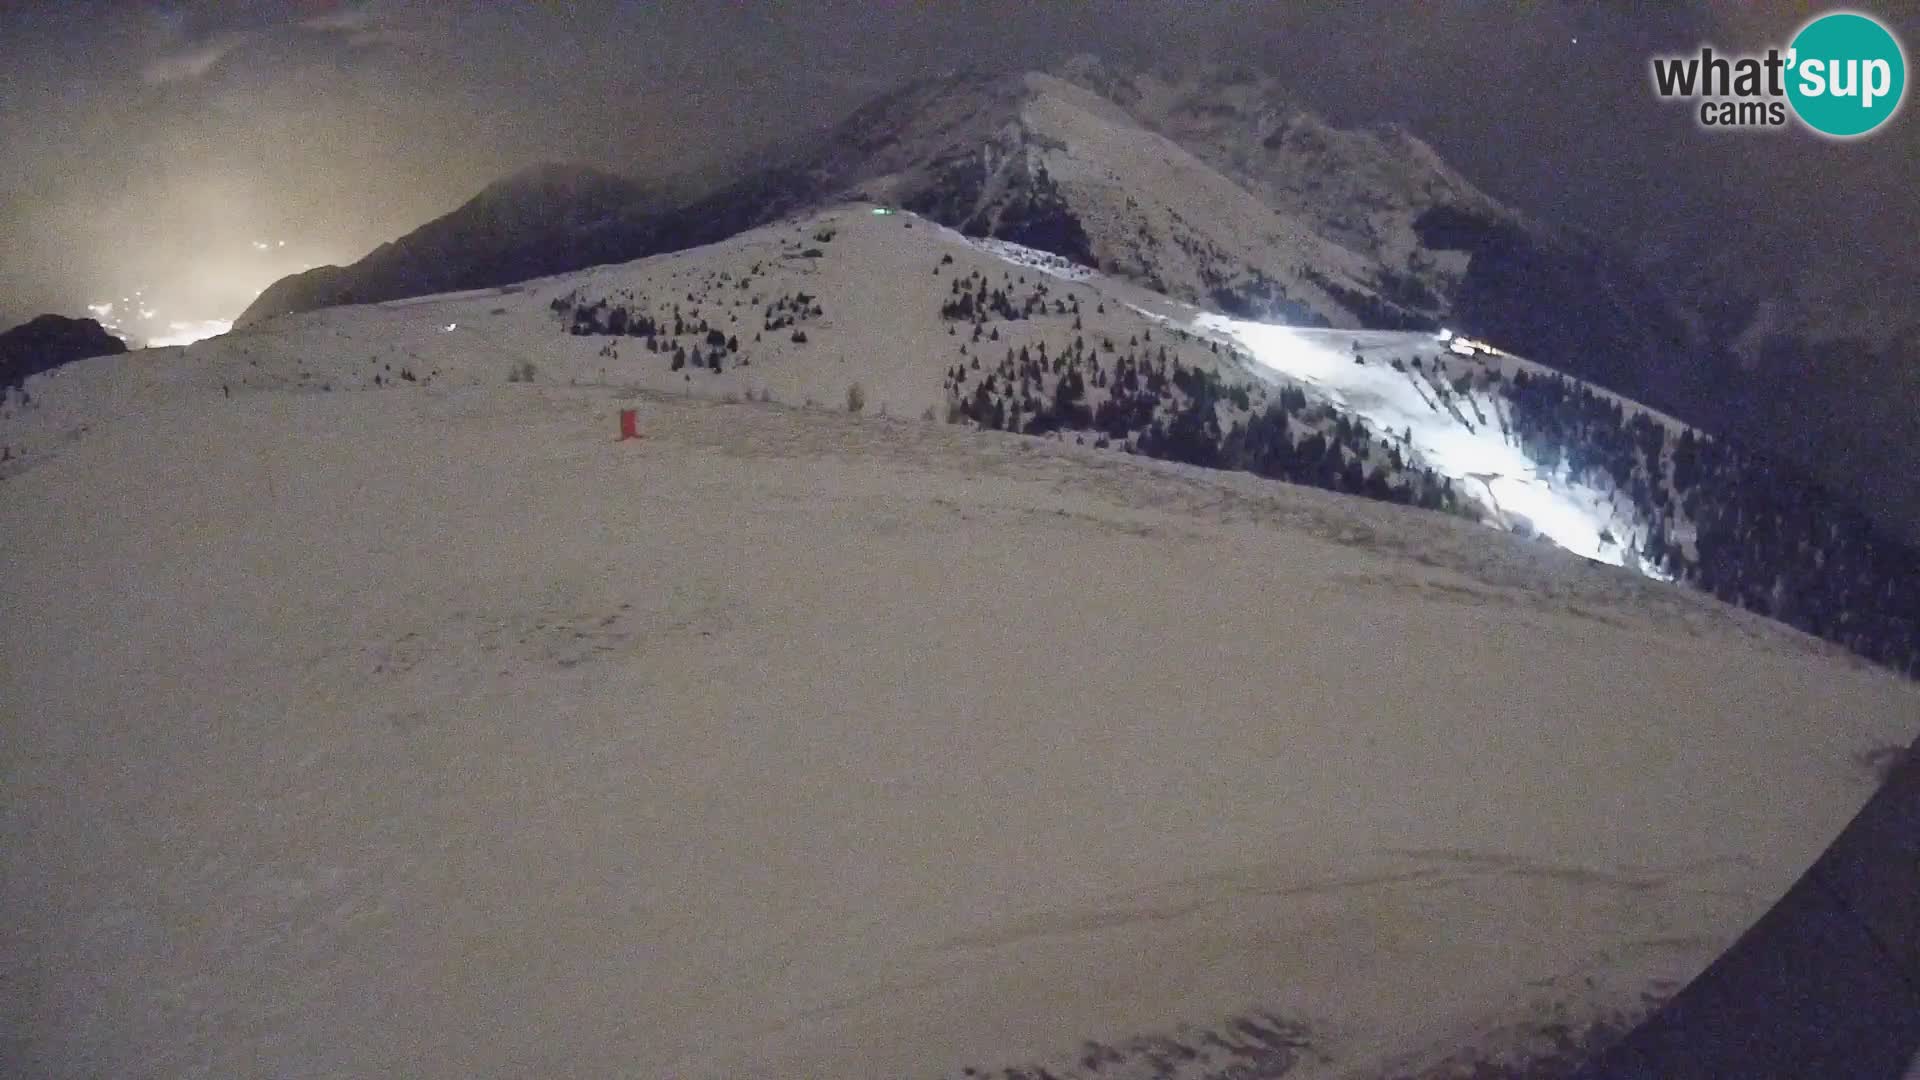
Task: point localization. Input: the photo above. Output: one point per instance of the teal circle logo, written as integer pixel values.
(1847, 74)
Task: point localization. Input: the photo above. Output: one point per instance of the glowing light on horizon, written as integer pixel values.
(186, 333)
(146, 321)
(139, 328)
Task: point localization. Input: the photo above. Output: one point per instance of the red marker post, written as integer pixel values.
(629, 425)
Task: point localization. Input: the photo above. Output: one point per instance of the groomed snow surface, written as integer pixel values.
(436, 734)
(1485, 464)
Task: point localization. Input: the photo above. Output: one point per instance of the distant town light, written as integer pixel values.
(186, 333)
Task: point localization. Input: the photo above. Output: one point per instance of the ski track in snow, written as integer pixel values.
(1353, 370)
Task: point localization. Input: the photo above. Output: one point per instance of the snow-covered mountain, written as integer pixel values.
(958, 675)
(377, 711)
(1206, 185)
(1211, 189)
(930, 322)
(48, 341)
(1362, 189)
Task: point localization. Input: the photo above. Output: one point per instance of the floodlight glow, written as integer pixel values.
(1521, 495)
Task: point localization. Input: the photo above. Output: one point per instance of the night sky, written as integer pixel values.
(199, 151)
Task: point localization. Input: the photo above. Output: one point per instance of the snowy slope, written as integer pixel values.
(874, 286)
(1206, 185)
(415, 726)
(432, 732)
(913, 319)
(877, 282)
(1404, 383)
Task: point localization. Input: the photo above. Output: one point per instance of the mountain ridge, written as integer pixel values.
(547, 218)
(896, 312)
(1213, 186)
(942, 145)
(46, 342)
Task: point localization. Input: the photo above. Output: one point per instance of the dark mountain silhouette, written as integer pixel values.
(48, 341)
(543, 220)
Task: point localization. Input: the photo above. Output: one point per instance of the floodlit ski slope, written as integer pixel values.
(1464, 442)
(1469, 448)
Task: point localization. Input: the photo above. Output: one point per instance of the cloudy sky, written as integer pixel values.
(200, 150)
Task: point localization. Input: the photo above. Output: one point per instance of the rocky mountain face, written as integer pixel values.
(47, 342)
